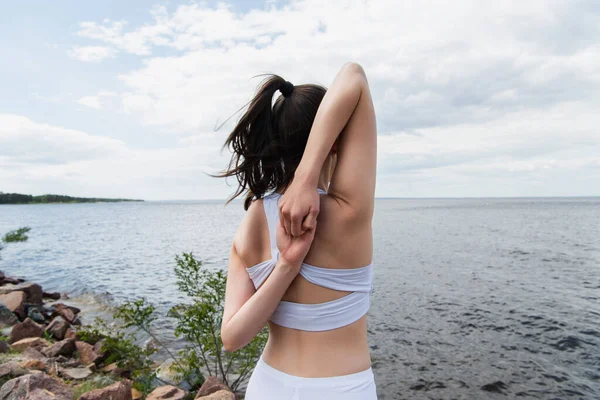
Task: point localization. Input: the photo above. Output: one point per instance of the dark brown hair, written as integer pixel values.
(268, 142)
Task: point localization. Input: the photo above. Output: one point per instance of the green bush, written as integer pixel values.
(18, 235)
(199, 322)
(119, 344)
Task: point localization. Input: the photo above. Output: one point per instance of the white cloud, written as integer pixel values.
(23, 141)
(90, 101)
(467, 93)
(41, 158)
(91, 53)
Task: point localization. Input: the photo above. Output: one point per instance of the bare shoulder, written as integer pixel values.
(251, 241)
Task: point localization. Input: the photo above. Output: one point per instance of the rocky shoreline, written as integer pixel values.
(42, 356)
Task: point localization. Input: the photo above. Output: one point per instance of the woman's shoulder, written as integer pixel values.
(252, 236)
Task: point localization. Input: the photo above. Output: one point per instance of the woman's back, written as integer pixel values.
(341, 242)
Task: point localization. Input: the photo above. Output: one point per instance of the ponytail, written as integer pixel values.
(268, 141)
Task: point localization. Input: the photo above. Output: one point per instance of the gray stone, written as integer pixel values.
(35, 314)
(57, 328)
(7, 318)
(12, 369)
(76, 373)
(4, 347)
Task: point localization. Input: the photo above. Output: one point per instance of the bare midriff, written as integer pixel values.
(321, 354)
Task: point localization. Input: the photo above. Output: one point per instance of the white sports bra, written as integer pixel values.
(323, 316)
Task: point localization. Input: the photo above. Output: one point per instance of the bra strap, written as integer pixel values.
(270, 204)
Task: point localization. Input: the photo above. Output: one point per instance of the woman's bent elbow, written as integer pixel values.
(230, 344)
(354, 68)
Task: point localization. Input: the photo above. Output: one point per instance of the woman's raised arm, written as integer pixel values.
(347, 113)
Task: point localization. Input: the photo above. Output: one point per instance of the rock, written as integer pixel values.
(36, 386)
(70, 334)
(98, 350)
(12, 369)
(4, 347)
(166, 373)
(11, 281)
(25, 329)
(38, 365)
(136, 394)
(86, 352)
(32, 342)
(76, 373)
(167, 392)
(113, 369)
(211, 385)
(7, 318)
(117, 391)
(57, 328)
(51, 295)
(65, 348)
(68, 362)
(220, 395)
(35, 314)
(32, 354)
(15, 302)
(67, 313)
(33, 291)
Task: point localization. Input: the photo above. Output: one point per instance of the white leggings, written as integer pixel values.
(268, 383)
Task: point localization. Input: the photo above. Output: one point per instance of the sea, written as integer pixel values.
(486, 298)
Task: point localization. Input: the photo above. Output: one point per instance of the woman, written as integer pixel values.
(301, 258)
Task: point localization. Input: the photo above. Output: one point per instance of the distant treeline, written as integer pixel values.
(17, 198)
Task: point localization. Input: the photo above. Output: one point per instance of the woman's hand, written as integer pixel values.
(293, 249)
(299, 207)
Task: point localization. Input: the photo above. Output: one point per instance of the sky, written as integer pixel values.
(473, 99)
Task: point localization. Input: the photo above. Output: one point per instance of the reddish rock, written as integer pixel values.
(25, 329)
(32, 342)
(33, 354)
(117, 391)
(52, 295)
(86, 353)
(220, 395)
(113, 369)
(65, 312)
(136, 394)
(211, 385)
(12, 369)
(167, 393)
(33, 291)
(63, 348)
(34, 364)
(57, 328)
(15, 302)
(70, 333)
(36, 386)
